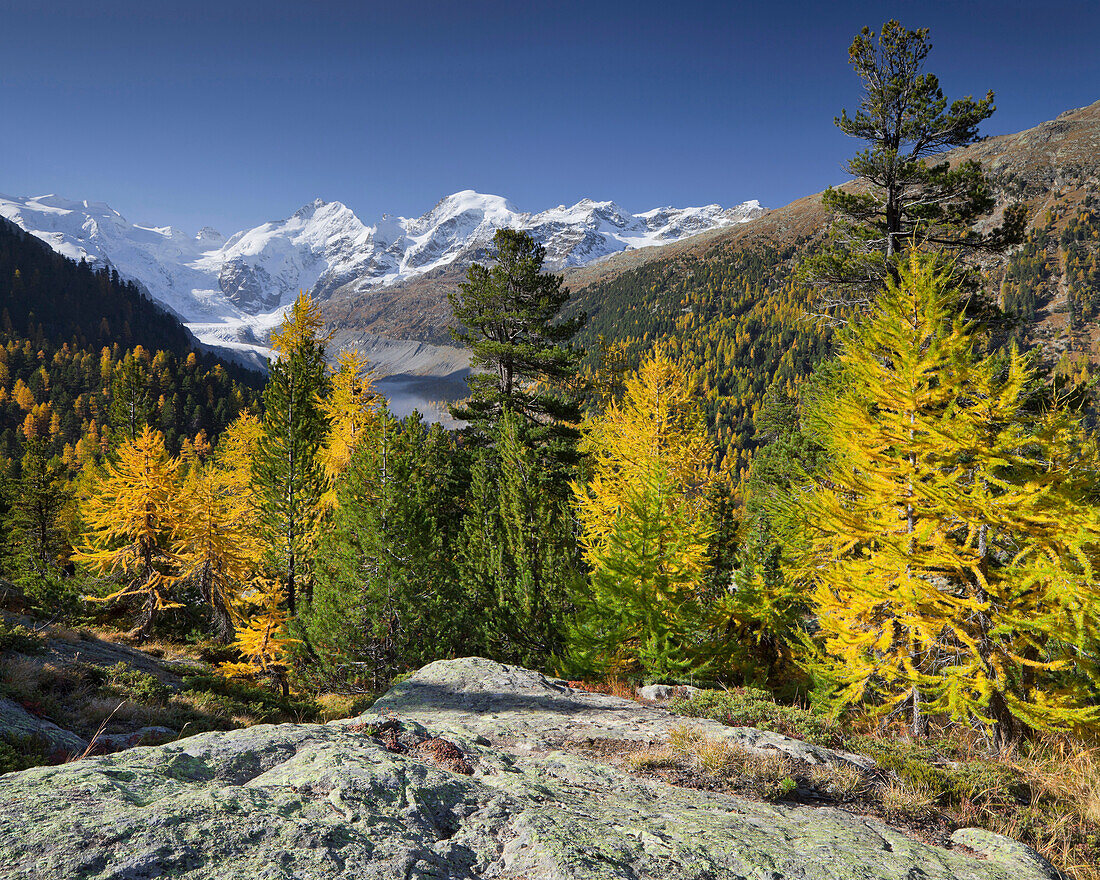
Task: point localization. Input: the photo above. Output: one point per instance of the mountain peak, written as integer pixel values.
(230, 289)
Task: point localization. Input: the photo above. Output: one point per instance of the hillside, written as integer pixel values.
(231, 291)
(727, 299)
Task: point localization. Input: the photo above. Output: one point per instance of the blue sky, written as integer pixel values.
(233, 113)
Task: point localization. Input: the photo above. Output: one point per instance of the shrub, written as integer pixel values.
(20, 753)
(20, 640)
(137, 685)
(752, 707)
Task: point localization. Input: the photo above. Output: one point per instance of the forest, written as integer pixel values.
(837, 472)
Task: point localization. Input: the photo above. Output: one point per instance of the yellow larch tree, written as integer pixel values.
(128, 519)
(352, 407)
(216, 538)
(262, 638)
(952, 537)
(646, 524)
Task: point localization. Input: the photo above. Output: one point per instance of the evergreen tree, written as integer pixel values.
(387, 598)
(128, 517)
(647, 523)
(288, 470)
(517, 559)
(41, 494)
(953, 533)
(131, 401)
(506, 316)
(905, 119)
(765, 608)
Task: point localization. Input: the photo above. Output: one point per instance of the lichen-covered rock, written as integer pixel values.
(58, 743)
(386, 795)
(662, 693)
(528, 711)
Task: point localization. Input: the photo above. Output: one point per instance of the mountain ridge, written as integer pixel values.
(231, 291)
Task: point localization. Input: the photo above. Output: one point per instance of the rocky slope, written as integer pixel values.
(464, 771)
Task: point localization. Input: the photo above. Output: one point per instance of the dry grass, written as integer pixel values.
(614, 687)
(843, 782)
(906, 803)
(769, 775)
(652, 759)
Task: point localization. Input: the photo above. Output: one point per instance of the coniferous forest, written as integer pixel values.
(835, 476)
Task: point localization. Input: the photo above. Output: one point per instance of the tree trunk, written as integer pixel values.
(919, 725)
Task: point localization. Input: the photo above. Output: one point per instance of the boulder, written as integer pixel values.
(662, 693)
(144, 736)
(455, 774)
(58, 743)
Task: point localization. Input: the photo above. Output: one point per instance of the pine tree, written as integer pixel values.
(952, 532)
(387, 597)
(905, 120)
(506, 316)
(288, 470)
(131, 402)
(517, 558)
(41, 494)
(647, 522)
(128, 519)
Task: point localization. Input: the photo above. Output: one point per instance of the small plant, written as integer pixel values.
(652, 759)
(903, 803)
(20, 640)
(844, 782)
(137, 685)
(20, 753)
(752, 707)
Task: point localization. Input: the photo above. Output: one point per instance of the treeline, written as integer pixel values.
(48, 299)
(85, 402)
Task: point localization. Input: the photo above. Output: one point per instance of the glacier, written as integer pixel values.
(231, 292)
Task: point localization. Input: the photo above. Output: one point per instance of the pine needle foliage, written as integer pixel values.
(262, 639)
(905, 191)
(288, 471)
(507, 317)
(517, 556)
(387, 597)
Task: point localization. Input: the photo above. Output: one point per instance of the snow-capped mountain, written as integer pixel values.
(232, 291)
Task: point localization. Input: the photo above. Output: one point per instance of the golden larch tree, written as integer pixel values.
(128, 517)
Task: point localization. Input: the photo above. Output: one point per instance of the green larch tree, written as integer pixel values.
(647, 522)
